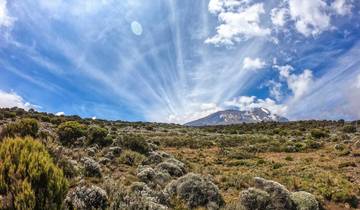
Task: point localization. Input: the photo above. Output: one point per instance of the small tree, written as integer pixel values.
(69, 131)
(28, 177)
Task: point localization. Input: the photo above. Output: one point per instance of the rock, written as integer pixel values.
(196, 191)
(304, 201)
(279, 195)
(254, 199)
(84, 198)
(172, 166)
(92, 168)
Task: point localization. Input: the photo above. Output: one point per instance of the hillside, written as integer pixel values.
(134, 165)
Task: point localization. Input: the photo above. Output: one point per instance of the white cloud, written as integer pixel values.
(253, 64)
(5, 19)
(278, 16)
(93, 118)
(196, 112)
(275, 90)
(245, 103)
(341, 7)
(11, 99)
(238, 21)
(310, 16)
(60, 114)
(357, 82)
(298, 84)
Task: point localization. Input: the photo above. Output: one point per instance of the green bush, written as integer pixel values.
(28, 177)
(97, 135)
(349, 129)
(135, 143)
(70, 131)
(131, 158)
(317, 133)
(22, 128)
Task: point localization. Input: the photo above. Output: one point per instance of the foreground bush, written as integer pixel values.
(28, 177)
(196, 191)
(69, 131)
(22, 128)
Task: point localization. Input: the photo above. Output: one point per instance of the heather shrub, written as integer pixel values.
(131, 158)
(22, 128)
(69, 131)
(28, 177)
(317, 133)
(97, 135)
(196, 191)
(135, 143)
(349, 129)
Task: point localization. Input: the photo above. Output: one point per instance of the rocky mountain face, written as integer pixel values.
(229, 117)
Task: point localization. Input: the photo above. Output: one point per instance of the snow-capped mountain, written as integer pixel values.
(229, 117)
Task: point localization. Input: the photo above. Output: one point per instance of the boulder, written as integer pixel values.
(196, 191)
(83, 198)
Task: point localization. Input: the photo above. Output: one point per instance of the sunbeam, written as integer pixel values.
(170, 61)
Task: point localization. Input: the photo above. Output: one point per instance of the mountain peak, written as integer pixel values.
(231, 116)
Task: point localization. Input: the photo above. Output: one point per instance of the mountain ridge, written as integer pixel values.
(232, 116)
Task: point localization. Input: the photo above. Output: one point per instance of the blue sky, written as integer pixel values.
(178, 60)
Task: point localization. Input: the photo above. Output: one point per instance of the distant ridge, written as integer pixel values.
(229, 117)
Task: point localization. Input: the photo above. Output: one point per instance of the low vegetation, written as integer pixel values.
(86, 163)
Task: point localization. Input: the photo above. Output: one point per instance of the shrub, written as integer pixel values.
(97, 135)
(289, 158)
(317, 133)
(349, 129)
(304, 201)
(131, 158)
(22, 128)
(313, 144)
(135, 143)
(29, 178)
(196, 191)
(84, 197)
(70, 131)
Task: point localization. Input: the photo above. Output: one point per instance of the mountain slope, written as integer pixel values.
(228, 117)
